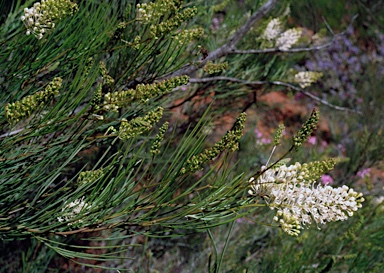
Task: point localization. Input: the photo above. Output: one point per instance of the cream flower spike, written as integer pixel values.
(299, 201)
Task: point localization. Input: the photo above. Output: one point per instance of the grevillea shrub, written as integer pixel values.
(107, 110)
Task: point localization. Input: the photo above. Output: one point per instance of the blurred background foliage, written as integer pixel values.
(353, 68)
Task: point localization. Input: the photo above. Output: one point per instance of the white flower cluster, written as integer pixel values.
(271, 177)
(306, 78)
(110, 102)
(71, 211)
(288, 38)
(34, 21)
(273, 29)
(40, 18)
(275, 36)
(299, 202)
(306, 203)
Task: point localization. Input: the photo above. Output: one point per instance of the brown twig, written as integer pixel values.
(280, 83)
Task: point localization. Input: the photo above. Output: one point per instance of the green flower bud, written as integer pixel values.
(229, 142)
(158, 139)
(212, 68)
(18, 110)
(103, 70)
(279, 135)
(137, 126)
(89, 176)
(308, 127)
(142, 93)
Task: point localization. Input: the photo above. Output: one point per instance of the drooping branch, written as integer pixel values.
(277, 50)
(280, 83)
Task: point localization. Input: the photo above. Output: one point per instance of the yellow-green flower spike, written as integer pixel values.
(314, 170)
(155, 149)
(137, 126)
(167, 26)
(188, 35)
(212, 68)
(96, 100)
(18, 110)
(221, 6)
(230, 142)
(142, 92)
(149, 13)
(89, 176)
(278, 135)
(108, 80)
(308, 127)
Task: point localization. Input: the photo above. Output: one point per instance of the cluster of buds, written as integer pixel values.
(108, 80)
(299, 201)
(229, 142)
(306, 130)
(142, 92)
(155, 148)
(42, 16)
(278, 135)
(306, 78)
(136, 42)
(212, 68)
(15, 111)
(148, 13)
(137, 126)
(71, 211)
(173, 23)
(164, 17)
(96, 100)
(188, 35)
(221, 6)
(89, 176)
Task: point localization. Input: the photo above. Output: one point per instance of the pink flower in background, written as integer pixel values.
(324, 143)
(312, 140)
(260, 139)
(265, 140)
(326, 179)
(364, 173)
(258, 133)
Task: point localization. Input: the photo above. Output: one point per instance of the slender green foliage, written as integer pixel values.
(82, 170)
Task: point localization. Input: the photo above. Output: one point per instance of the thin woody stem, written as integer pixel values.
(280, 83)
(228, 47)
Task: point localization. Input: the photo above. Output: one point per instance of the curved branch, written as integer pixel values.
(280, 83)
(277, 50)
